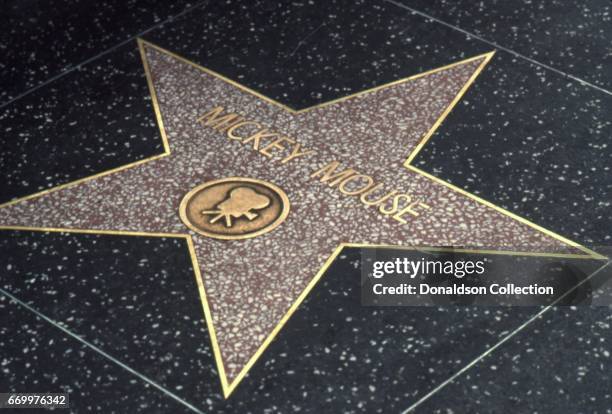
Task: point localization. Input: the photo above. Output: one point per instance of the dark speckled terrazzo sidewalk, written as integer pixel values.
(525, 137)
(38, 357)
(569, 372)
(41, 40)
(572, 37)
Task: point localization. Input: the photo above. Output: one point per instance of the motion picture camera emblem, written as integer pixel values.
(234, 208)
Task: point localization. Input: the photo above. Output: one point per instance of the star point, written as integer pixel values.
(341, 165)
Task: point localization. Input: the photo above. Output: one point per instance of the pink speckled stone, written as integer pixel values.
(252, 283)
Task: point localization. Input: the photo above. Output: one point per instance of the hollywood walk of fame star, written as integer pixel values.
(250, 287)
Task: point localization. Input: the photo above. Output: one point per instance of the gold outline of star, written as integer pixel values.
(227, 387)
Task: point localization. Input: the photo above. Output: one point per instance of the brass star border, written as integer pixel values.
(227, 387)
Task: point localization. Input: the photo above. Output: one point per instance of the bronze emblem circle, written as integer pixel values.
(234, 208)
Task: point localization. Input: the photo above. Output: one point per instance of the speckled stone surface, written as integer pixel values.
(305, 53)
(97, 118)
(252, 283)
(568, 372)
(132, 297)
(373, 360)
(573, 37)
(37, 357)
(333, 355)
(535, 143)
(39, 40)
